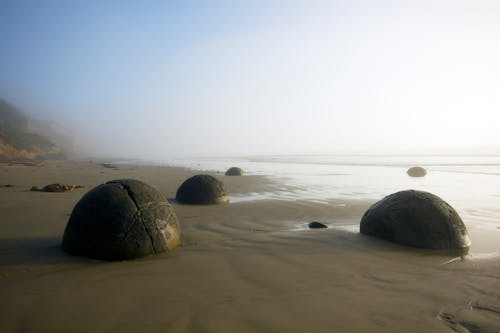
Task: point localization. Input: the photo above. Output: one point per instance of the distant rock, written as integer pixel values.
(202, 190)
(416, 172)
(122, 219)
(316, 225)
(55, 188)
(234, 171)
(109, 166)
(418, 219)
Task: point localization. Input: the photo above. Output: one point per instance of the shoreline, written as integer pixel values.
(246, 267)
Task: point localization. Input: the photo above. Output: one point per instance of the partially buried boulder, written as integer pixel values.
(316, 225)
(234, 171)
(53, 188)
(202, 190)
(122, 219)
(416, 172)
(418, 219)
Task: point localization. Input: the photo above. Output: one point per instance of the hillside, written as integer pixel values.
(19, 139)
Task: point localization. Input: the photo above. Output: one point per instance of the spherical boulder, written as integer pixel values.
(202, 190)
(418, 219)
(119, 220)
(416, 172)
(234, 171)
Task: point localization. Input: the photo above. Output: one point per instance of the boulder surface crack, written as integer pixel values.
(139, 214)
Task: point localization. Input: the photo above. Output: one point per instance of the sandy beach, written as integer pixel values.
(243, 267)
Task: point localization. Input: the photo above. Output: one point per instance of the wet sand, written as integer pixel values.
(243, 267)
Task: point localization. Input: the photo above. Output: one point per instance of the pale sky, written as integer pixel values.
(161, 79)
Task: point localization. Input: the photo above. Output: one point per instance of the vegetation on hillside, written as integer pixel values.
(23, 140)
(10, 115)
(17, 141)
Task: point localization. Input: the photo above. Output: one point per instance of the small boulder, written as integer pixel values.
(122, 219)
(416, 218)
(316, 225)
(234, 171)
(53, 188)
(57, 188)
(416, 172)
(202, 190)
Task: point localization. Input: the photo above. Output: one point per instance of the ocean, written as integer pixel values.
(470, 183)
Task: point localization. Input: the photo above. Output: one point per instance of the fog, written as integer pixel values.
(161, 79)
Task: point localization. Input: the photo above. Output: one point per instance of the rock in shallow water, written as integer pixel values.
(418, 219)
(316, 225)
(416, 172)
(202, 190)
(234, 171)
(122, 219)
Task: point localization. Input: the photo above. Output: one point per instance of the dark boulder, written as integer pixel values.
(234, 171)
(418, 219)
(202, 190)
(316, 225)
(416, 172)
(122, 219)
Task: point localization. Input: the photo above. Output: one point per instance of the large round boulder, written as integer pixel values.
(234, 171)
(416, 171)
(202, 190)
(121, 219)
(416, 218)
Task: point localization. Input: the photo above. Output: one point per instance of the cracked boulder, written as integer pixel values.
(416, 172)
(418, 219)
(202, 190)
(234, 171)
(119, 220)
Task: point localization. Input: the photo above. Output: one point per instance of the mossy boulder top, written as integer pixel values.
(418, 219)
(202, 190)
(234, 171)
(121, 219)
(416, 171)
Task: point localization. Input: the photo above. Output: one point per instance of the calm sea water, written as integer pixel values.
(470, 183)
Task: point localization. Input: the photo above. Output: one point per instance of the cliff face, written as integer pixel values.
(19, 139)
